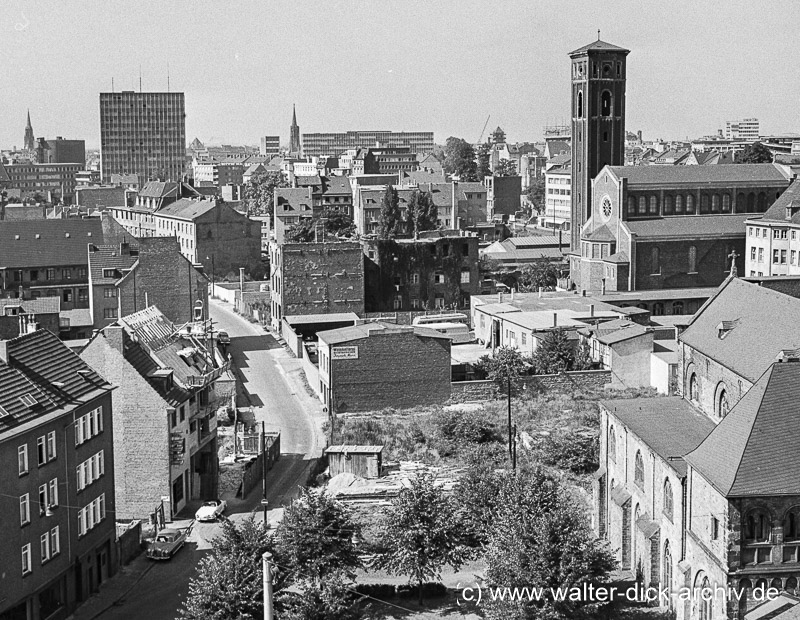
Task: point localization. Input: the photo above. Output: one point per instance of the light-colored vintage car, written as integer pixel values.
(211, 510)
(167, 543)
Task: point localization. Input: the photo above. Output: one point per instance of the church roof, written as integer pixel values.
(753, 450)
(732, 174)
(599, 46)
(789, 199)
(690, 226)
(601, 234)
(763, 322)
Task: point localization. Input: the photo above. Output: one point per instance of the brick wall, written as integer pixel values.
(392, 370)
(164, 278)
(232, 239)
(569, 381)
(712, 265)
(712, 378)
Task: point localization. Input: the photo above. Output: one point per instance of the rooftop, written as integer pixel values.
(365, 330)
(47, 243)
(42, 305)
(188, 208)
(690, 225)
(728, 174)
(753, 450)
(599, 46)
(790, 199)
(670, 426)
(765, 324)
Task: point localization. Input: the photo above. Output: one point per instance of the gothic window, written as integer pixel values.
(638, 472)
(658, 309)
(751, 202)
(791, 524)
(726, 203)
(692, 259)
(715, 203)
(642, 205)
(631, 205)
(653, 205)
(605, 103)
(679, 204)
(668, 499)
(612, 444)
(677, 307)
(690, 204)
(704, 204)
(666, 574)
(758, 527)
(722, 403)
(580, 104)
(706, 601)
(667, 205)
(762, 202)
(694, 389)
(655, 265)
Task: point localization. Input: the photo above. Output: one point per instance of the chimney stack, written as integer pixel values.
(591, 310)
(4, 351)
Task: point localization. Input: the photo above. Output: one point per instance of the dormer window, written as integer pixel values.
(725, 328)
(109, 273)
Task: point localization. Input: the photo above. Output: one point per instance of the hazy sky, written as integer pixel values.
(440, 65)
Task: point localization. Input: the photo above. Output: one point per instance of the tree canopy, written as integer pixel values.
(460, 159)
(536, 194)
(259, 193)
(554, 354)
(421, 533)
(539, 538)
(422, 212)
(506, 363)
(539, 274)
(391, 223)
(755, 153)
(483, 169)
(506, 168)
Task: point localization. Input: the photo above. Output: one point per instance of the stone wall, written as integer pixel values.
(578, 380)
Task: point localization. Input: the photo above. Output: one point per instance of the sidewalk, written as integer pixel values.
(114, 589)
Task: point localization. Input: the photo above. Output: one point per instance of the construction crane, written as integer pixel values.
(480, 137)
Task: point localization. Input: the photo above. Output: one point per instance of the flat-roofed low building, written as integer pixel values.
(372, 366)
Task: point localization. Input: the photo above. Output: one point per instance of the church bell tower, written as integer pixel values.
(598, 122)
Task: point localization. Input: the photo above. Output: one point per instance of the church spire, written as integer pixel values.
(29, 144)
(294, 135)
(294, 116)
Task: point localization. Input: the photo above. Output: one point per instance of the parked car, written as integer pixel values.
(223, 338)
(167, 543)
(211, 510)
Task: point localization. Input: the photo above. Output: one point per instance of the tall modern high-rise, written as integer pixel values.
(30, 143)
(294, 135)
(598, 122)
(142, 134)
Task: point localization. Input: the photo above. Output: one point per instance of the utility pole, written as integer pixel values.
(266, 566)
(264, 474)
(510, 440)
(514, 451)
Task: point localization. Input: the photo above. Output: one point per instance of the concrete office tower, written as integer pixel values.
(142, 134)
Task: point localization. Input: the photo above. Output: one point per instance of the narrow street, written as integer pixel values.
(272, 385)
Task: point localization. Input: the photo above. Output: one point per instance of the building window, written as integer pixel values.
(90, 470)
(22, 459)
(642, 205)
(668, 499)
(92, 514)
(631, 205)
(706, 600)
(51, 274)
(760, 255)
(692, 259)
(694, 391)
(67, 296)
(51, 445)
(752, 253)
(776, 233)
(398, 303)
(66, 274)
(24, 509)
(88, 426)
(109, 313)
(714, 528)
(465, 276)
(690, 204)
(655, 265)
(677, 307)
(580, 104)
(794, 257)
(668, 205)
(26, 559)
(679, 204)
(791, 524)
(775, 256)
(109, 291)
(606, 107)
(758, 527)
(653, 205)
(438, 278)
(726, 203)
(704, 208)
(41, 450)
(612, 444)
(414, 278)
(638, 472)
(715, 203)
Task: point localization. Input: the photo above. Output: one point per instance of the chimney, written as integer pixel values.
(501, 297)
(124, 249)
(115, 337)
(541, 291)
(591, 310)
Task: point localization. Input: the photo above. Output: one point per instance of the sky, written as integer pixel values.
(435, 65)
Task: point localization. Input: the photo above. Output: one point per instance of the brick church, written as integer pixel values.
(702, 490)
(650, 227)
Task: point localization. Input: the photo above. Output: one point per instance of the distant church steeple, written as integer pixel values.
(294, 134)
(30, 142)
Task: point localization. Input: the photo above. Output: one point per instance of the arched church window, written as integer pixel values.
(605, 103)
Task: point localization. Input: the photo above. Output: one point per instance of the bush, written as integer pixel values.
(576, 451)
(385, 591)
(465, 426)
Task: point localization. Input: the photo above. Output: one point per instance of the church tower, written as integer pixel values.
(294, 135)
(598, 122)
(30, 142)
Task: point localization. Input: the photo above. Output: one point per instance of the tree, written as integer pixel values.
(299, 233)
(338, 223)
(483, 169)
(332, 599)
(478, 494)
(421, 533)
(536, 194)
(315, 538)
(228, 583)
(539, 274)
(583, 356)
(460, 159)
(540, 539)
(506, 363)
(755, 153)
(391, 219)
(554, 353)
(259, 193)
(506, 168)
(422, 212)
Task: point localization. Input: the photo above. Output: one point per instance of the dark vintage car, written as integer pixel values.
(167, 543)
(223, 338)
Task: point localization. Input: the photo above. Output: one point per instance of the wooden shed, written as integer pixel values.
(362, 461)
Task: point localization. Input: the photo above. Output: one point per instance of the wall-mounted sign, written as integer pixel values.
(344, 353)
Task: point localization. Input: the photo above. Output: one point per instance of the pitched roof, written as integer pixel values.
(44, 243)
(102, 257)
(753, 308)
(601, 234)
(668, 425)
(789, 199)
(42, 305)
(188, 208)
(722, 174)
(753, 450)
(365, 330)
(42, 366)
(690, 225)
(337, 185)
(158, 189)
(598, 46)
